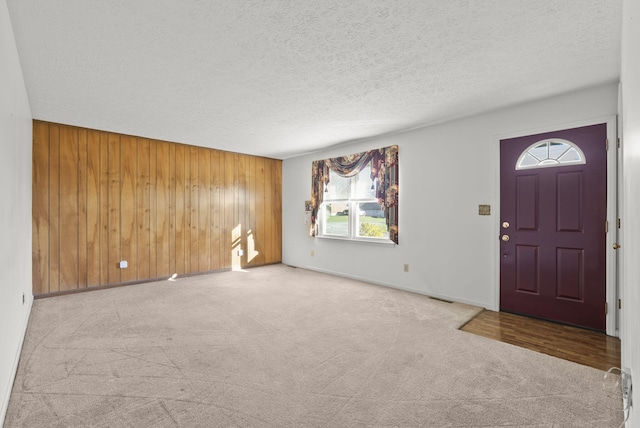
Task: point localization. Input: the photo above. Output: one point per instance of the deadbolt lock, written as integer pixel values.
(505, 224)
(505, 238)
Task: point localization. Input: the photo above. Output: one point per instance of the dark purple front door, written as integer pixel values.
(552, 226)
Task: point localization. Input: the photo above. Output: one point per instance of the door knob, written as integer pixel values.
(505, 224)
(505, 238)
(616, 246)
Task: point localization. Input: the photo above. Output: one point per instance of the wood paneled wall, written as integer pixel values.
(165, 208)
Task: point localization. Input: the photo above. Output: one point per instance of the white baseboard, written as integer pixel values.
(484, 305)
(16, 361)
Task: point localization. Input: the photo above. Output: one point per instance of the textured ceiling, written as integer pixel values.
(279, 78)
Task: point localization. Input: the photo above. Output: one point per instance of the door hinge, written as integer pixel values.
(606, 144)
(618, 223)
(606, 308)
(606, 226)
(618, 142)
(619, 303)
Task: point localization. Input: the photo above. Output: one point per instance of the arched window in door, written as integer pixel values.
(550, 153)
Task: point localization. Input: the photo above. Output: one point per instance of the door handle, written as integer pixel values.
(505, 238)
(616, 246)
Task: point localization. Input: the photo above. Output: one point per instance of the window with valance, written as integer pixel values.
(356, 196)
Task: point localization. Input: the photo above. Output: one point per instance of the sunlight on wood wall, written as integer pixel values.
(100, 197)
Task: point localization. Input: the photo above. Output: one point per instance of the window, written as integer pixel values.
(345, 191)
(550, 153)
(350, 209)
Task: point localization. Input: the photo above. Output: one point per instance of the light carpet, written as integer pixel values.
(282, 347)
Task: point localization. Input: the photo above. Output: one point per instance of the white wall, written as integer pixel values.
(630, 84)
(15, 208)
(446, 171)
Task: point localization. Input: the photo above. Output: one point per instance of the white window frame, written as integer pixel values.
(353, 221)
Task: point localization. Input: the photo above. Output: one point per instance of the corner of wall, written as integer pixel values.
(16, 297)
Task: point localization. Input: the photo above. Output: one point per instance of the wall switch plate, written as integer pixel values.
(406, 268)
(313, 253)
(241, 252)
(124, 264)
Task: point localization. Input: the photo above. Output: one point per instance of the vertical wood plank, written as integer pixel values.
(241, 202)
(217, 172)
(93, 208)
(277, 210)
(105, 186)
(40, 201)
(68, 208)
(229, 209)
(153, 209)
(162, 206)
(193, 209)
(82, 208)
(204, 194)
(128, 231)
(268, 209)
(143, 211)
(260, 234)
(181, 208)
(54, 207)
(114, 209)
(172, 208)
(251, 221)
(235, 233)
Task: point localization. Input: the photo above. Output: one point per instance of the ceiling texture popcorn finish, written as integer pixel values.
(281, 78)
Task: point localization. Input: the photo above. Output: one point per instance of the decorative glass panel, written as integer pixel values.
(550, 153)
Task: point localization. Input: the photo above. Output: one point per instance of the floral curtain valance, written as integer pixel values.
(384, 173)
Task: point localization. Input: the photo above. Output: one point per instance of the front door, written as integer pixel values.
(553, 196)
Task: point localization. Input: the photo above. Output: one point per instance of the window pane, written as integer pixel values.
(528, 160)
(571, 156)
(557, 149)
(336, 218)
(540, 151)
(371, 222)
(364, 184)
(338, 187)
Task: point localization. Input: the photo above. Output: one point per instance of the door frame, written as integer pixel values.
(612, 285)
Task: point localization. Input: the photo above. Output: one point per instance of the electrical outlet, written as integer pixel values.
(124, 264)
(241, 252)
(406, 267)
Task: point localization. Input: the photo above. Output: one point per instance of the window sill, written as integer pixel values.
(385, 242)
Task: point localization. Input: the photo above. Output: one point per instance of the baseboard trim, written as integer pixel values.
(16, 361)
(398, 287)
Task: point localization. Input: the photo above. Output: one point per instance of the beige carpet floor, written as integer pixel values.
(283, 347)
